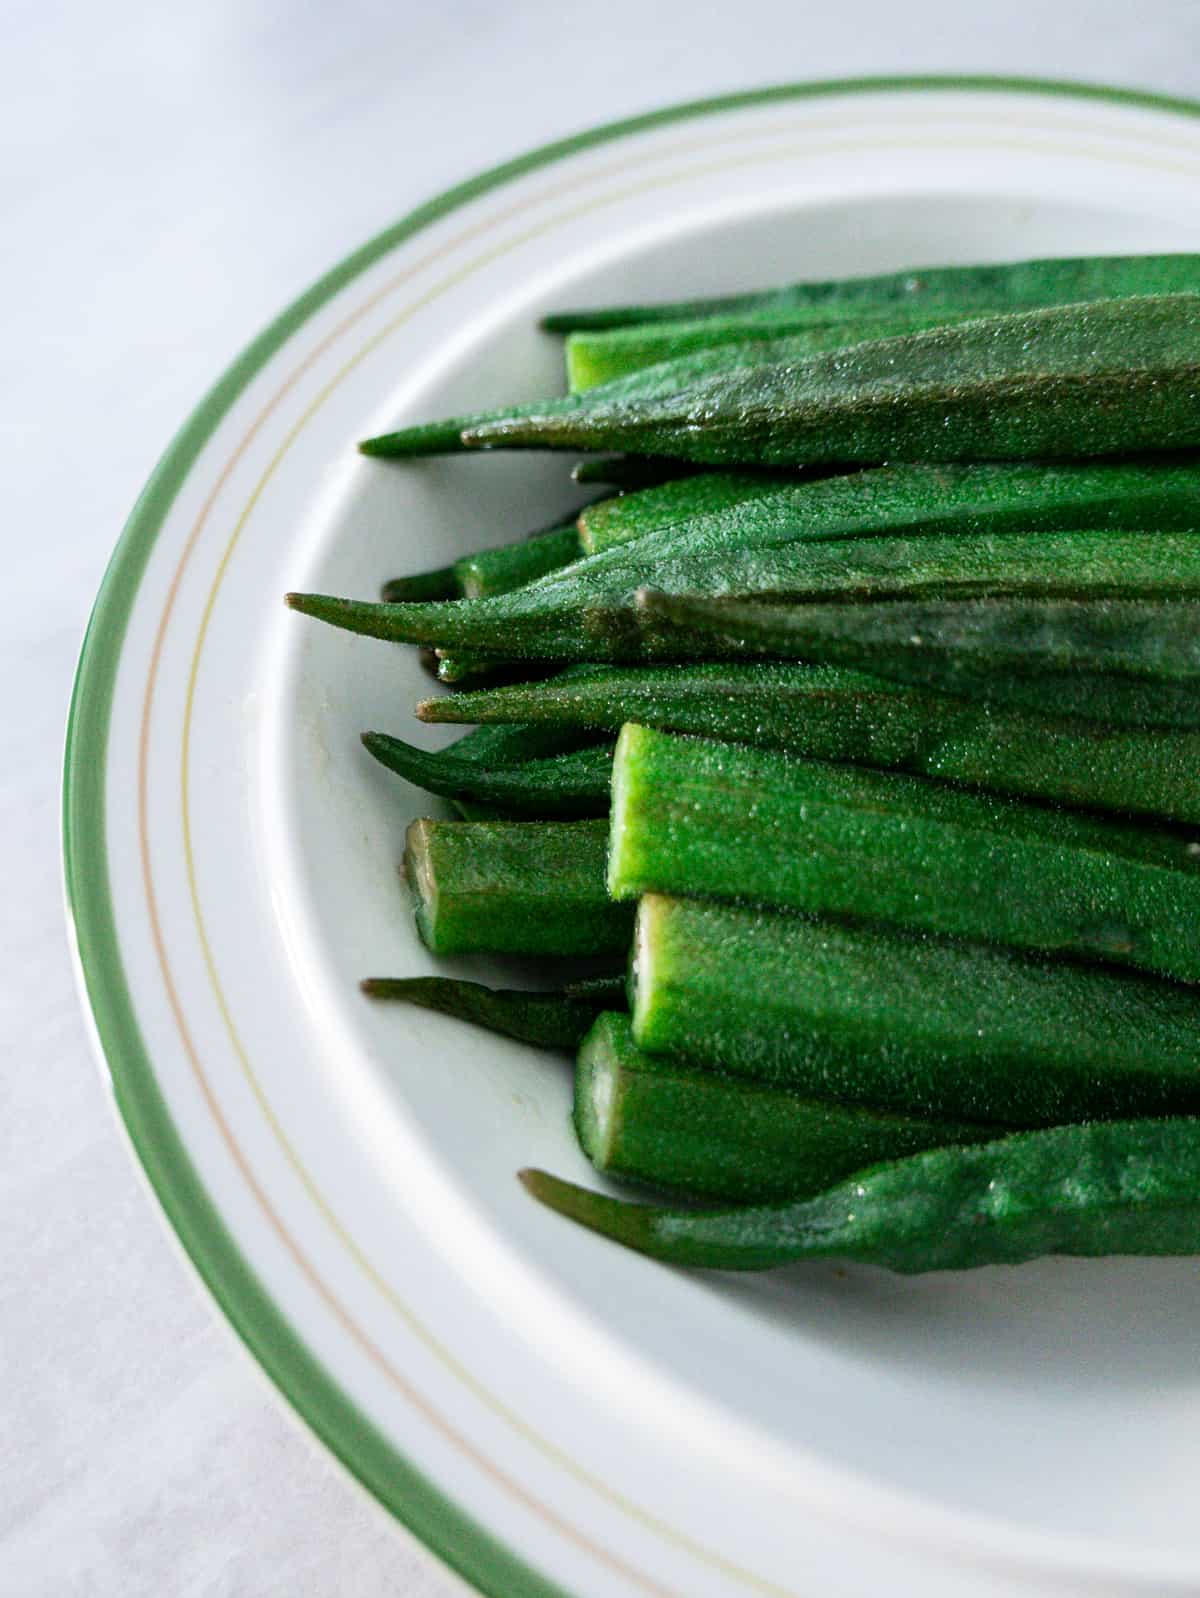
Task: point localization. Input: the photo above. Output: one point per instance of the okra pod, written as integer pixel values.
(1110, 377)
(652, 1119)
(1057, 281)
(628, 516)
(693, 816)
(514, 887)
(588, 611)
(834, 713)
(919, 1025)
(625, 472)
(1128, 663)
(603, 357)
(1126, 1187)
(545, 1020)
(574, 783)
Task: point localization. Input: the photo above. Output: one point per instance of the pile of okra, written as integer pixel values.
(853, 736)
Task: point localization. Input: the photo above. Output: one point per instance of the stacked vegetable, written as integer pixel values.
(863, 724)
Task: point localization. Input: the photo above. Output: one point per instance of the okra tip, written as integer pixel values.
(630, 1224)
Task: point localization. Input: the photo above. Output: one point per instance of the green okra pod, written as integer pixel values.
(573, 783)
(588, 611)
(514, 887)
(1128, 663)
(600, 357)
(694, 816)
(1109, 377)
(653, 1119)
(925, 1026)
(545, 1020)
(1126, 1187)
(836, 713)
(1057, 281)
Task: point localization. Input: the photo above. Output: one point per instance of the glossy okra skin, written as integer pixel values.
(1110, 377)
(1057, 281)
(652, 1119)
(513, 887)
(589, 611)
(1128, 663)
(574, 783)
(1125, 1187)
(919, 1025)
(694, 816)
(545, 1020)
(834, 713)
(594, 358)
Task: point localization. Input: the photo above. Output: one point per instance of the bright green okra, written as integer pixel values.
(920, 1025)
(628, 516)
(834, 713)
(1127, 1187)
(694, 816)
(652, 1119)
(514, 887)
(1057, 281)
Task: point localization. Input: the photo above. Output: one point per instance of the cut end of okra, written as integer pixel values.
(596, 1092)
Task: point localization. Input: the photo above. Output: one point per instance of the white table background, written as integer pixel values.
(171, 175)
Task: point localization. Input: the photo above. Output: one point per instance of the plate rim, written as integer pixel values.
(468, 1547)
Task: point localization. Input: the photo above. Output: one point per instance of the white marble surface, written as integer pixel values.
(172, 174)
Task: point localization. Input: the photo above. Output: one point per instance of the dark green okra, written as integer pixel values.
(628, 516)
(653, 1119)
(1057, 281)
(834, 713)
(1124, 662)
(603, 357)
(1110, 377)
(573, 783)
(514, 887)
(546, 1020)
(694, 816)
(919, 1025)
(589, 612)
(1126, 1187)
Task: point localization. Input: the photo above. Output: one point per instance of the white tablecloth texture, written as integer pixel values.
(172, 174)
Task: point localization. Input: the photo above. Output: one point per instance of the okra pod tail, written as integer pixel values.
(545, 1020)
(574, 783)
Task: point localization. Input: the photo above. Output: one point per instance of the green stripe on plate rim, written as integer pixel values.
(465, 1546)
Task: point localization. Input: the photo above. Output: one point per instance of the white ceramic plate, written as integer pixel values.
(551, 1413)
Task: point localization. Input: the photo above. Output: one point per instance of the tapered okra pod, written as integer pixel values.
(1128, 1187)
(653, 1119)
(920, 1025)
(1058, 281)
(834, 713)
(545, 1020)
(693, 816)
(1077, 380)
(751, 548)
(572, 784)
